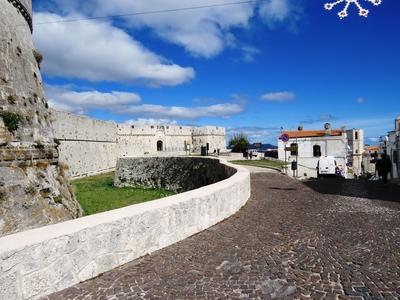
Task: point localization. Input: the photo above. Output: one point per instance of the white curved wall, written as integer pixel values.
(38, 262)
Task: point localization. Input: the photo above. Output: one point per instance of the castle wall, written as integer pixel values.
(33, 189)
(21, 90)
(139, 140)
(214, 136)
(91, 147)
(86, 145)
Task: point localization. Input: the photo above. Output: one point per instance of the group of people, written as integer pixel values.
(248, 154)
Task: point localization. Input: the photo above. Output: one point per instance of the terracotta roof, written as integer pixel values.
(373, 148)
(312, 133)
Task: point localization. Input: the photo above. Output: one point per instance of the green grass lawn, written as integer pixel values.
(264, 163)
(97, 194)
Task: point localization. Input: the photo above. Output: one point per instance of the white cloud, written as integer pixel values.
(151, 121)
(223, 110)
(361, 100)
(249, 53)
(122, 103)
(320, 119)
(257, 134)
(203, 32)
(98, 51)
(81, 102)
(278, 97)
(274, 10)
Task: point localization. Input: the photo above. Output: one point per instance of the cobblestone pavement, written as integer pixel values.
(288, 242)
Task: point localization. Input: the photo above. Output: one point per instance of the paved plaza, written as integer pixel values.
(325, 239)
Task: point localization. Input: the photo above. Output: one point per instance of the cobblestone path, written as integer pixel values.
(289, 241)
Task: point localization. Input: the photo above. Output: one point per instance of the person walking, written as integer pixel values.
(384, 166)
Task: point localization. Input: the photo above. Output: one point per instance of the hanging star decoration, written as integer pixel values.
(344, 13)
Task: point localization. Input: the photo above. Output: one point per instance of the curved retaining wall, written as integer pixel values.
(38, 262)
(178, 174)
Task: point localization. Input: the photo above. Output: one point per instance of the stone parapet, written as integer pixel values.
(38, 262)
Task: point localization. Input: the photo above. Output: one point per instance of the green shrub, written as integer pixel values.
(11, 120)
(11, 99)
(239, 143)
(58, 199)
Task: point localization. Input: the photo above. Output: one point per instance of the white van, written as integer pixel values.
(254, 152)
(327, 166)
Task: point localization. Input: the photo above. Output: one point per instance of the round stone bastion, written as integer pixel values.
(41, 261)
(178, 174)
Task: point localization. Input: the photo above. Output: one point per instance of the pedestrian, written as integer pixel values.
(218, 152)
(251, 155)
(384, 166)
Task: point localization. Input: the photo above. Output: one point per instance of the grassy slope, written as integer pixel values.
(265, 163)
(97, 194)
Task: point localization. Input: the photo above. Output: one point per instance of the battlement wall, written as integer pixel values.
(140, 129)
(208, 130)
(91, 146)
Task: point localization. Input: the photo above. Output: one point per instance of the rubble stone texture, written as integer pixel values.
(179, 174)
(33, 189)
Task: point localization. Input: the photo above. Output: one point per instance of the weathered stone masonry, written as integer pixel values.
(179, 174)
(33, 188)
(90, 146)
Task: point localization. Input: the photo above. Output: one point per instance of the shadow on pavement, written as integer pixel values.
(283, 189)
(356, 188)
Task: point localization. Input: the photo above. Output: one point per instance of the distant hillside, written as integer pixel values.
(264, 147)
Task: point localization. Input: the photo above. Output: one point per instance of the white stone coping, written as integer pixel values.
(41, 261)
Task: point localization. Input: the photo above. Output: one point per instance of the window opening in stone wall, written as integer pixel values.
(159, 146)
(294, 149)
(317, 151)
(356, 135)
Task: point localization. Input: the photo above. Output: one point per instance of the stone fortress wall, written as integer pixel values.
(91, 146)
(33, 189)
(86, 146)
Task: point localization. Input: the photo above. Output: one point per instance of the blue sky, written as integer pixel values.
(252, 68)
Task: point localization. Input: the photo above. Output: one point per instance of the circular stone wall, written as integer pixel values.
(178, 174)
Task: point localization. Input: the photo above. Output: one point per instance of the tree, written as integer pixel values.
(239, 143)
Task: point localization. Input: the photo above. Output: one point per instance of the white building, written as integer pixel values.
(371, 153)
(312, 144)
(393, 148)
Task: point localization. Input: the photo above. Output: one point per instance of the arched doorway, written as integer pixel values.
(159, 146)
